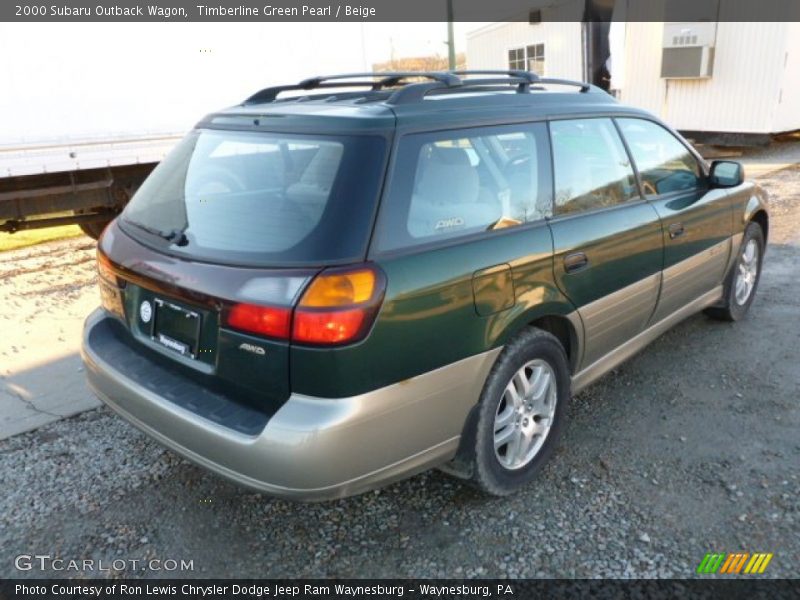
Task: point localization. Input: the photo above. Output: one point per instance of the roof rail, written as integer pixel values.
(384, 80)
(522, 79)
(416, 92)
(526, 76)
(531, 77)
(409, 92)
(584, 87)
(388, 77)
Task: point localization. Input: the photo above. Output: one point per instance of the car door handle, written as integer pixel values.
(575, 262)
(676, 230)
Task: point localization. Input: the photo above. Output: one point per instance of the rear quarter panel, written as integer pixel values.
(429, 319)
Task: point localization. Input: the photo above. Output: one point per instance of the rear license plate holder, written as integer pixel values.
(176, 328)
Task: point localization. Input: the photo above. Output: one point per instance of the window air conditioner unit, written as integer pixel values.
(688, 50)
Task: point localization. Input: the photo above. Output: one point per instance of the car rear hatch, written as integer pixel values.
(207, 262)
(177, 311)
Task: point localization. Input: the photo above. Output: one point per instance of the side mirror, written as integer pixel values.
(726, 173)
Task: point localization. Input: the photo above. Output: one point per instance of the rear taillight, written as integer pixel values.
(262, 320)
(110, 286)
(329, 326)
(338, 307)
(105, 270)
(332, 289)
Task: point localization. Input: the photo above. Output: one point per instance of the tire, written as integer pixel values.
(501, 470)
(94, 230)
(736, 300)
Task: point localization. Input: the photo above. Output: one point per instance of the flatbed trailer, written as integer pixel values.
(84, 182)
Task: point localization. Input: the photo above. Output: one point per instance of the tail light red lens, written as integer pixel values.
(328, 327)
(269, 321)
(338, 307)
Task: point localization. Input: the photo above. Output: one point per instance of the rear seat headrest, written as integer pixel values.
(446, 175)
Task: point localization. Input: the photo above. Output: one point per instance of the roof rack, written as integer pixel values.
(398, 91)
(532, 78)
(384, 80)
(388, 77)
(584, 87)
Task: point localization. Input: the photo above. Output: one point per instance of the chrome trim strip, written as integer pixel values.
(601, 366)
(312, 448)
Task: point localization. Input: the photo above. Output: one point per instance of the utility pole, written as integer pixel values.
(451, 44)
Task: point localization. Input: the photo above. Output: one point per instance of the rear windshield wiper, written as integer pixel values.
(176, 236)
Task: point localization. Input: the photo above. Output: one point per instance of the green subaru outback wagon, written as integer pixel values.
(343, 282)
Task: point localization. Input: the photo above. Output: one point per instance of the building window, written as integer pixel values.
(530, 58)
(536, 59)
(516, 59)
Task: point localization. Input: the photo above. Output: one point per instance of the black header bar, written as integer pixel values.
(530, 11)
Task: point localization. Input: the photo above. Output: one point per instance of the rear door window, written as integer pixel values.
(262, 198)
(457, 183)
(591, 167)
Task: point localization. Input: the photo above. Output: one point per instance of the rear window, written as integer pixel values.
(261, 198)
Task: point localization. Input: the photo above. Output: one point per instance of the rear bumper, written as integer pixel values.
(311, 448)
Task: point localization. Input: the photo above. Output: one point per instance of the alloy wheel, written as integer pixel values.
(746, 273)
(525, 414)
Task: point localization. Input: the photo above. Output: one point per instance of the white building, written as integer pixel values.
(727, 77)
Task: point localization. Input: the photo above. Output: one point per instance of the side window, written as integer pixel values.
(592, 169)
(665, 164)
(456, 183)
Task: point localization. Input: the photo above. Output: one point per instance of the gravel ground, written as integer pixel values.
(690, 447)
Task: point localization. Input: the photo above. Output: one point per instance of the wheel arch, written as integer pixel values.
(762, 218)
(755, 211)
(557, 318)
(565, 328)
